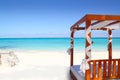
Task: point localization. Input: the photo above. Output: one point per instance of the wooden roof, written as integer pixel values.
(99, 21)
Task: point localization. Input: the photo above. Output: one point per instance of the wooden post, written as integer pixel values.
(88, 44)
(88, 36)
(110, 43)
(72, 47)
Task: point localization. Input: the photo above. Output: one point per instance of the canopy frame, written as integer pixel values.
(87, 19)
(94, 22)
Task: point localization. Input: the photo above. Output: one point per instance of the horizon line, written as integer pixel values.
(54, 37)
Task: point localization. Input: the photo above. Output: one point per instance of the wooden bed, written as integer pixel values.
(104, 69)
(99, 70)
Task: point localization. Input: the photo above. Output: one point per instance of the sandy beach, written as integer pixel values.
(37, 65)
(43, 65)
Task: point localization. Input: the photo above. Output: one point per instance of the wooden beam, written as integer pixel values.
(79, 28)
(99, 28)
(102, 17)
(83, 28)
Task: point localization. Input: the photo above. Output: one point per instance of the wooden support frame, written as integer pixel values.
(96, 17)
(88, 38)
(90, 20)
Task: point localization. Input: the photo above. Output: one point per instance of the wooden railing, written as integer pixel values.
(103, 69)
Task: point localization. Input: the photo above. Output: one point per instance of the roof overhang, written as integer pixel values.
(99, 22)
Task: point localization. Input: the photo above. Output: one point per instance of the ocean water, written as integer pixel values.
(55, 44)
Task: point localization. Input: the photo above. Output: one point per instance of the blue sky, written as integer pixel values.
(50, 18)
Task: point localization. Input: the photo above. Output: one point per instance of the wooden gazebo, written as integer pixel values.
(95, 69)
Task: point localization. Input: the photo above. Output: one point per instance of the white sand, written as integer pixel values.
(43, 65)
(38, 65)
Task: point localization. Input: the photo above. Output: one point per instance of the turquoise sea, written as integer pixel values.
(55, 44)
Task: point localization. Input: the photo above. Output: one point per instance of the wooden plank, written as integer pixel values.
(87, 75)
(109, 68)
(118, 68)
(104, 69)
(100, 70)
(114, 73)
(114, 69)
(94, 69)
